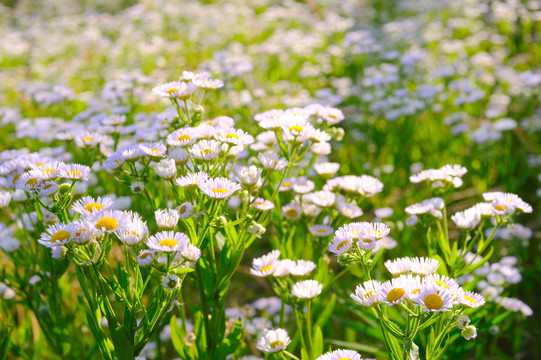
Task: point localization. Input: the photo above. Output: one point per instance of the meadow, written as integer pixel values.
(304, 180)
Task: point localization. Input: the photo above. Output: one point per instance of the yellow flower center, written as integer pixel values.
(266, 268)
(93, 206)
(342, 245)
(441, 283)
(172, 90)
(61, 235)
(74, 173)
(88, 139)
(500, 207)
(48, 171)
(367, 240)
(219, 191)
(470, 300)
(154, 151)
(169, 243)
(321, 231)
(296, 128)
(286, 184)
(416, 291)
(276, 343)
(15, 178)
(144, 255)
(39, 164)
(369, 294)
(182, 209)
(108, 223)
(395, 294)
(32, 182)
(433, 302)
(184, 138)
(47, 186)
(292, 213)
(232, 136)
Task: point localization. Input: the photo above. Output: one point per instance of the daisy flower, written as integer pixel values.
(502, 207)
(302, 268)
(321, 230)
(264, 266)
(166, 169)
(323, 198)
(206, 83)
(326, 169)
(302, 185)
(145, 258)
(192, 180)
(379, 230)
(29, 180)
(283, 268)
(262, 204)
(434, 299)
(184, 210)
(153, 150)
(50, 170)
(340, 244)
(206, 150)
(430, 206)
(89, 139)
(306, 290)
(166, 218)
(398, 266)
(182, 137)
(168, 241)
(233, 136)
(47, 188)
(424, 266)
(107, 221)
(367, 293)
(113, 162)
(292, 211)
(467, 219)
(57, 235)
(135, 231)
(171, 282)
(471, 299)
(5, 198)
(272, 161)
(88, 205)
(271, 341)
(175, 89)
(512, 200)
(249, 175)
(394, 291)
(340, 355)
(83, 233)
(75, 172)
(191, 253)
(219, 188)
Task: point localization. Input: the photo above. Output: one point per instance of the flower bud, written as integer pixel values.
(462, 321)
(469, 332)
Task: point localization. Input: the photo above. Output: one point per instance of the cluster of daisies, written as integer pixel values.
(96, 218)
(448, 174)
(270, 265)
(415, 280)
(358, 237)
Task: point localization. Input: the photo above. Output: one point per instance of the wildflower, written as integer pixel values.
(57, 235)
(137, 187)
(166, 218)
(434, 298)
(29, 180)
(323, 198)
(89, 205)
(219, 188)
(432, 206)
(264, 266)
(5, 198)
(341, 243)
(367, 293)
(394, 291)
(145, 258)
(231, 136)
(462, 321)
(75, 172)
(340, 355)
(191, 253)
(272, 161)
(471, 299)
(469, 332)
(327, 169)
(249, 175)
(306, 290)
(302, 268)
(107, 221)
(192, 180)
(168, 241)
(321, 230)
(512, 200)
(153, 150)
(175, 90)
(135, 231)
(399, 266)
(205, 82)
(206, 150)
(166, 169)
(256, 229)
(424, 266)
(467, 219)
(89, 139)
(302, 185)
(184, 210)
(171, 282)
(262, 204)
(83, 233)
(113, 162)
(271, 341)
(292, 211)
(182, 137)
(379, 230)
(283, 268)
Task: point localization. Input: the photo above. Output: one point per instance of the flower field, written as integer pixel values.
(301, 180)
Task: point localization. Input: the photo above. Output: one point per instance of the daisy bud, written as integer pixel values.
(198, 109)
(412, 220)
(171, 282)
(469, 332)
(221, 221)
(256, 229)
(63, 189)
(137, 187)
(58, 252)
(462, 321)
(347, 259)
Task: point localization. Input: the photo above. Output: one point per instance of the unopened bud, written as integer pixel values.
(469, 332)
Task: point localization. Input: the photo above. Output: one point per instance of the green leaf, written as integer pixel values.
(411, 350)
(324, 316)
(318, 343)
(430, 343)
(177, 337)
(4, 342)
(369, 349)
(472, 267)
(304, 354)
(231, 342)
(377, 257)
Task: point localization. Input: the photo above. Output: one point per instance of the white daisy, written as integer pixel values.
(5, 198)
(321, 230)
(171, 282)
(153, 150)
(184, 210)
(219, 188)
(192, 180)
(135, 231)
(271, 341)
(75, 172)
(262, 204)
(88, 205)
(367, 293)
(394, 291)
(168, 241)
(292, 211)
(326, 169)
(182, 137)
(191, 253)
(302, 268)
(175, 89)
(272, 161)
(340, 355)
(424, 266)
(398, 266)
(145, 258)
(306, 290)
(107, 221)
(233, 136)
(206, 150)
(57, 235)
(434, 299)
(264, 266)
(471, 299)
(166, 218)
(341, 243)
